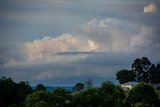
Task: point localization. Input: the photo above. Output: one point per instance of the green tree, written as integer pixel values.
(7, 91)
(107, 95)
(157, 76)
(13, 94)
(23, 89)
(61, 97)
(39, 97)
(152, 74)
(79, 87)
(60, 92)
(40, 87)
(141, 67)
(143, 94)
(125, 76)
(88, 84)
(87, 98)
(112, 95)
(41, 104)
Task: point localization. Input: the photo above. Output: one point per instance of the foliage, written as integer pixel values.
(142, 71)
(60, 92)
(58, 98)
(23, 90)
(13, 93)
(40, 87)
(87, 98)
(125, 76)
(113, 95)
(144, 94)
(37, 98)
(141, 67)
(107, 94)
(7, 91)
(41, 104)
(158, 93)
(88, 84)
(155, 73)
(79, 87)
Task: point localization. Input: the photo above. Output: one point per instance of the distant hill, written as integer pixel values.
(49, 88)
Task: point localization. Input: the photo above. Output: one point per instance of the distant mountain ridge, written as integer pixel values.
(50, 88)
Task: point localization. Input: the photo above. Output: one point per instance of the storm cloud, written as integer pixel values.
(59, 41)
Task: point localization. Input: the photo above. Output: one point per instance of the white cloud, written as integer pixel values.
(150, 8)
(107, 35)
(49, 46)
(111, 35)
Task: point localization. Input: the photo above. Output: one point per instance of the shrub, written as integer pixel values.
(144, 94)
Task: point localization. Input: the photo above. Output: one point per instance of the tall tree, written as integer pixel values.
(157, 74)
(125, 76)
(141, 67)
(79, 86)
(7, 91)
(113, 95)
(40, 87)
(23, 90)
(142, 94)
(13, 93)
(88, 84)
(152, 74)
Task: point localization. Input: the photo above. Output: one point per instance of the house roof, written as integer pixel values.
(130, 83)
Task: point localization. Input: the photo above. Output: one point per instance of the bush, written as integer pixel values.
(39, 97)
(143, 94)
(112, 95)
(107, 95)
(87, 98)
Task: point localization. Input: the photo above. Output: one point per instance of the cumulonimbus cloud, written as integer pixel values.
(150, 8)
(49, 46)
(107, 35)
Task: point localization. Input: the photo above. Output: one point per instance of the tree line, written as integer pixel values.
(107, 95)
(142, 71)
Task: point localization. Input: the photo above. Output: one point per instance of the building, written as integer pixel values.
(128, 85)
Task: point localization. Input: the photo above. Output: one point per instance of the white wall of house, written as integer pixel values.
(128, 86)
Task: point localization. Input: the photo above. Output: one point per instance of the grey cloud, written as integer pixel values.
(51, 72)
(34, 19)
(10, 52)
(104, 62)
(127, 34)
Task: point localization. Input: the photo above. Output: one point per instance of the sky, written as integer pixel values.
(62, 42)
